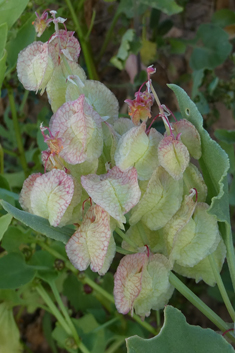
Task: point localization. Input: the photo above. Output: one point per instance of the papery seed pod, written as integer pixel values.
(117, 192)
(58, 84)
(192, 178)
(160, 202)
(136, 149)
(203, 270)
(92, 244)
(48, 195)
(173, 156)
(141, 283)
(79, 128)
(35, 66)
(197, 239)
(64, 42)
(98, 96)
(189, 136)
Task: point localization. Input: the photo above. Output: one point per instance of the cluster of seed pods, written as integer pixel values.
(134, 177)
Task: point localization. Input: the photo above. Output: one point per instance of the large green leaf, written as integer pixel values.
(25, 36)
(10, 10)
(169, 7)
(38, 224)
(212, 49)
(14, 271)
(177, 336)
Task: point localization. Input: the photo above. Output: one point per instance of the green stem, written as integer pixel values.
(142, 233)
(85, 44)
(114, 347)
(108, 36)
(24, 100)
(1, 160)
(228, 239)
(53, 308)
(65, 312)
(158, 318)
(221, 287)
(91, 25)
(17, 132)
(199, 304)
(127, 239)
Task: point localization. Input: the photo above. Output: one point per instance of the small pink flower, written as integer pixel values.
(41, 23)
(139, 108)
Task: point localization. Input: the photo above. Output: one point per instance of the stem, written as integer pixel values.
(221, 287)
(142, 233)
(53, 308)
(158, 318)
(17, 132)
(228, 240)
(91, 25)
(85, 44)
(124, 237)
(1, 160)
(108, 36)
(11, 153)
(199, 304)
(65, 312)
(115, 345)
(24, 100)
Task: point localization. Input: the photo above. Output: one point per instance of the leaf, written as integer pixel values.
(3, 38)
(14, 271)
(10, 11)
(178, 336)
(227, 136)
(215, 49)
(39, 224)
(25, 36)
(15, 238)
(223, 17)
(4, 224)
(197, 81)
(9, 333)
(169, 7)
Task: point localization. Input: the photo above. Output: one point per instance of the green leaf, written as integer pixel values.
(177, 336)
(169, 7)
(14, 238)
(10, 11)
(42, 258)
(14, 271)
(215, 48)
(4, 224)
(197, 81)
(9, 333)
(39, 224)
(3, 37)
(224, 17)
(125, 44)
(4, 183)
(227, 136)
(25, 36)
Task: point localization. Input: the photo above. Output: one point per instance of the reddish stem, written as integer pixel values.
(148, 252)
(231, 329)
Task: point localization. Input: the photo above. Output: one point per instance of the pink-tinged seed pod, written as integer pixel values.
(48, 195)
(92, 244)
(117, 192)
(79, 128)
(65, 43)
(173, 156)
(128, 281)
(35, 66)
